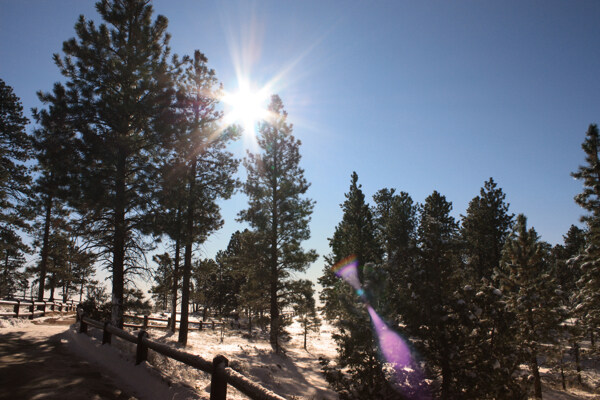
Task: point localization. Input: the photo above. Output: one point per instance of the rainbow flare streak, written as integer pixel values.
(347, 269)
(393, 348)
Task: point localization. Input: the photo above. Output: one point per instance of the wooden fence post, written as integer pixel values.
(218, 381)
(16, 309)
(44, 309)
(145, 323)
(106, 336)
(32, 309)
(82, 324)
(141, 353)
(213, 325)
(200, 325)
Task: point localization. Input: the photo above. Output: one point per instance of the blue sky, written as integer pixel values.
(417, 96)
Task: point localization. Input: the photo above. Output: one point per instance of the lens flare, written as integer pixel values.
(347, 269)
(392, 346)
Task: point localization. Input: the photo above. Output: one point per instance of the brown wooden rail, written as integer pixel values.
(146, 318)
(35, 308)
(221, 374)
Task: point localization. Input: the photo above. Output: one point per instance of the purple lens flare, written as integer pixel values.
(392, 346)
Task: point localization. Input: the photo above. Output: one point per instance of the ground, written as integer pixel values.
(35, 364)
(48, 359)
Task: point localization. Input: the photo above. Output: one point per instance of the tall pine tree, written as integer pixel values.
(278, 211)
(205, 166)
(15, 151)
(119, 93)
(589, 200)
(525, 280)
(484, 230)
(358, 371)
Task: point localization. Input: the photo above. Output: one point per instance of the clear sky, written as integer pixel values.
(412, 95)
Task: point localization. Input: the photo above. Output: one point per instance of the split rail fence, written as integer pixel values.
(35, 308)
(145, 319)
(221, 374)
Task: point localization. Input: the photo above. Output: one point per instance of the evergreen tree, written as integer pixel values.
(396, 220)
(305, 307)
(15, 151)
(434, 285)
(162, 276)
(248, 265)
(358, 371)
(119, 94)
(54, 147)
(484, 230)
(277, 210)
(525, 279)
(206, 167)
(589, 200)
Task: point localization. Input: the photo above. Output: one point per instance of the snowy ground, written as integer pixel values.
(294, 374)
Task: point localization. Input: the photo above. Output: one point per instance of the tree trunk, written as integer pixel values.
(81, 291)
(305, 333)
(562, 370)
(45, 244)
(119, 246)
(537, 381)
(577, 362)
(175, 279)
(187, 262)
(52, 287)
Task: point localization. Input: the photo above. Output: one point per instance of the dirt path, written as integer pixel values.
(34, 364)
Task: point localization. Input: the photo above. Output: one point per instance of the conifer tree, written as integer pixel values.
(589, 200)
(434, 284)
(15, 151)
(304, 306)
(396, 220)
(358, 371)
(484, 230)
(54, 148)
(206, 167)
(525, 280)
(163, 274)
(278, 211)
(119, 94)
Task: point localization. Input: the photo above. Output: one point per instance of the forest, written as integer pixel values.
(130, 150)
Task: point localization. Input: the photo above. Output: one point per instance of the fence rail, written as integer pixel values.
(146, 319)
(221, 374)
(35, 308)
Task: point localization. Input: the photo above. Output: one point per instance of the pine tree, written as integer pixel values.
(396, 220)
(358, 371)
(304, 306)
(163, 275)
(15, 151)
(54, 147)
(589, 200)
(277, 210)
(207, 168)
(484, 230)
(119, 94)
(434, 285)
(248, 266)
(526, 282)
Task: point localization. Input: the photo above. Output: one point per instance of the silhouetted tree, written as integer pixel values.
(277, 211)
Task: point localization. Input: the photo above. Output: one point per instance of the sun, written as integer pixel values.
(246, 107)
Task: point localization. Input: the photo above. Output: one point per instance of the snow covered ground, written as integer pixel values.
(294, 374)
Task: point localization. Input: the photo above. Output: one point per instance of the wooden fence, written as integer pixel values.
(221, 374)
(35, 308)
(146, 319)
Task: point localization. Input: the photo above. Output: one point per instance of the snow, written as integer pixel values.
(296, 372)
